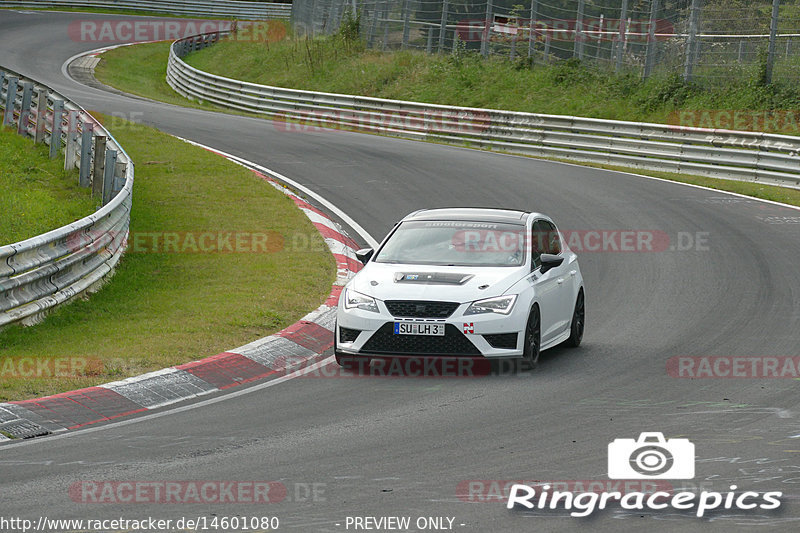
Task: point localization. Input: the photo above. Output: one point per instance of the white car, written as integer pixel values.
(463, 282)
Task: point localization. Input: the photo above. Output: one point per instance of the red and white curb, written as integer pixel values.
(297, 345)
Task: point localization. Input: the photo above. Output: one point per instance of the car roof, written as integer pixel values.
(475, 214)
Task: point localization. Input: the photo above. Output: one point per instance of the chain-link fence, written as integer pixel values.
(700, 39)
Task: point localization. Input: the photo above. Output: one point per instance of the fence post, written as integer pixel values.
(547, 39)
(429, 48)
(11, 100)
(108, 175)
(99, 165)
(694, 17)
(577, 50)
(85, 178)
(55, 130)
(650, 54)
(41, 116)
(487, 29)
(406, 23)
(773, 32)
(623, 35)
(373, 25)
(532, 35)
(331, 18)
(25, 108)
(385, 25)
(443, 25)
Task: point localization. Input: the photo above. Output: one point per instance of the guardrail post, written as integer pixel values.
(41, 116)
(55, 129)
(70, 152)
(623, 32)
(650, 54)
(85, 178)
(11, 101)
(108, 175)
(119, 177)
(99, 165)
(25, 108)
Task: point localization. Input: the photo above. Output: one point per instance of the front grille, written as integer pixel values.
(348, 335)
(453, 342)
(421, 309)
(502, 340)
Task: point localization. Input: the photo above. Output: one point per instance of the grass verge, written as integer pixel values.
(162, 309)
(36, 193)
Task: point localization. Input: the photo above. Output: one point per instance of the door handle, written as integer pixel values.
(560, 280)
(573, 272)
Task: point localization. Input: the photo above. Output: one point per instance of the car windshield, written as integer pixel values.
(455, 243)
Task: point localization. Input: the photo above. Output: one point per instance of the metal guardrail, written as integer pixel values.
(196, 8)
(738, 155)
(44, 271)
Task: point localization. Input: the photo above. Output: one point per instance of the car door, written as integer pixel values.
(564, 276)
(550, 286)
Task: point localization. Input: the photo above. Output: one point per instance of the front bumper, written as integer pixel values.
(471, 335)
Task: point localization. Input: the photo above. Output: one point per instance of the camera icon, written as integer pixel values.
(651, 457)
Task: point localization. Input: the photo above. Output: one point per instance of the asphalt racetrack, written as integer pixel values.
(726, 282)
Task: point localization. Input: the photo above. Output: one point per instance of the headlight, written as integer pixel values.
(353, 299)
(500, 304)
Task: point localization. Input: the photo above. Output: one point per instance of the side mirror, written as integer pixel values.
(550, 261)
(364, 255)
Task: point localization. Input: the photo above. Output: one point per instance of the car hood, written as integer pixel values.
(425, 282)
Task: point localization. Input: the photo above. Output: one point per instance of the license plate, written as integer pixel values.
(416, 328)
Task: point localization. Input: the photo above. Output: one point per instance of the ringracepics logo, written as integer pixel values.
(650, 457)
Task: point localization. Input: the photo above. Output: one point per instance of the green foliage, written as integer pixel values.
(350, 27)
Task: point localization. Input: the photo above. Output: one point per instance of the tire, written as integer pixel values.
(578, 322)
(533, 337)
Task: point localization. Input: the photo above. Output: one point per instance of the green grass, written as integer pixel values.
(36, 193)
(162, 309)
(566, 88)
(466, 79)
(142, 70)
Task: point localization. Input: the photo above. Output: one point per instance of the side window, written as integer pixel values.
(538, 242)
(553, 239)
